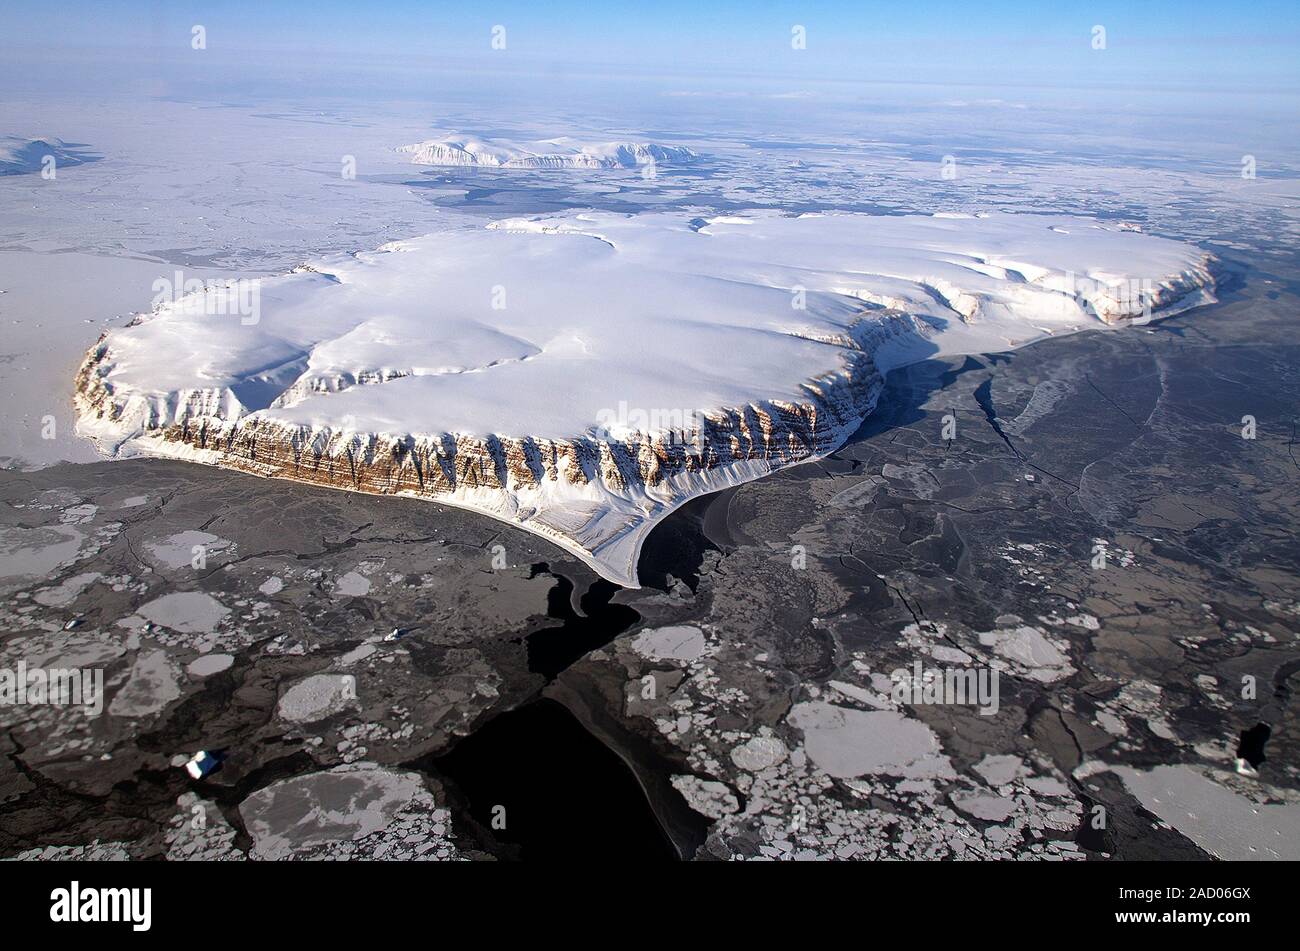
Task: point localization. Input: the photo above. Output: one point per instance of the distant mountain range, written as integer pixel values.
(549, 153)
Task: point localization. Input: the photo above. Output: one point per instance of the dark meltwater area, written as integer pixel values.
(677, 545)
(1251, 747)
(552, 649)
(539, 786)
(535, 780)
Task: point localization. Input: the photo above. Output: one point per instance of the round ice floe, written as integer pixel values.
(317, 697)
(983, 805)
(759, 752)
(209, 664)
(352, 585)
(181, 549)
(189, 612)
(847, 742)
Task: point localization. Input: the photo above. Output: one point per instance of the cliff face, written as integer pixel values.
(431, 465)
(659, 468)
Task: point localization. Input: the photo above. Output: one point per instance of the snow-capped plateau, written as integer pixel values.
(582, 376)
(561, 152)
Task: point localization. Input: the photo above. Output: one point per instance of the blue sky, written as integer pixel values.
(1218, 45)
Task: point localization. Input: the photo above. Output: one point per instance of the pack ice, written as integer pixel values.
(582, 376)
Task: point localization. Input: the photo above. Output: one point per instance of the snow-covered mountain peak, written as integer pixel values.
(564, 152)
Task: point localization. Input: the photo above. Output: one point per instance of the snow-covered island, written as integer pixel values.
(21, 156)
(582, 376)
(564, 152)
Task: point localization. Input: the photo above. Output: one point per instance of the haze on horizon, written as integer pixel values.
(1151, 47)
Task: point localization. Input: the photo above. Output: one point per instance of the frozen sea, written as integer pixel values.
(909, 549)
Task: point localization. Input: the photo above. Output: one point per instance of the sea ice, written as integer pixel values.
(189, 612)
(848, 743)
(1225, 823)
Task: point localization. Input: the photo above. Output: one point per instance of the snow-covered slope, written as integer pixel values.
(550, 153)
(582, 376)
(19, 156)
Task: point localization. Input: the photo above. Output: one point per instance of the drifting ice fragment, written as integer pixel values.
(201, 764)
